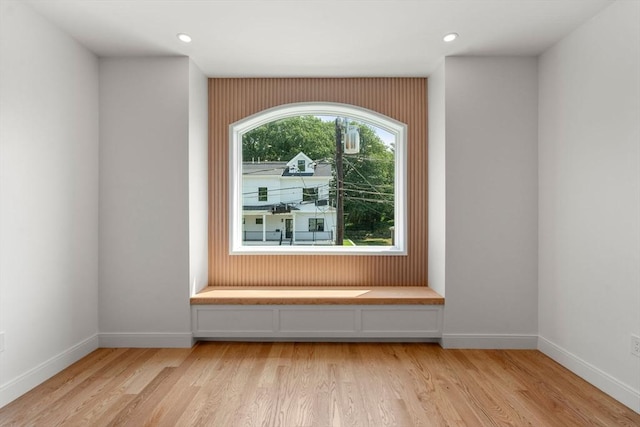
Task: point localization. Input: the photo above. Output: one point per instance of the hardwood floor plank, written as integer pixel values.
(413, 392)
(587, 402)
(480, 393)
(350, 400)
(73, 402)
(213, 395)
(423, 382)
(446, 382)
(316, 384)
(149, 408)
(125, 416)
(57, 386)
(163, 358)
(170, 409)
(107, 416)
(380, 396)
(243, 394)
(492, 379)
(261, 408)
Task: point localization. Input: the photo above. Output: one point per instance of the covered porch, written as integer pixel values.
(267, 228)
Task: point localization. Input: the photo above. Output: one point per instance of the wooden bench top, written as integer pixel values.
(321, 295)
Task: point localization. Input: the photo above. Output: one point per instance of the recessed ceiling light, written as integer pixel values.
(184, 37)
(450, 37)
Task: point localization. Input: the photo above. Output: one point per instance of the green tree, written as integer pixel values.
(368, 175)
(283, 139)
(368, 182)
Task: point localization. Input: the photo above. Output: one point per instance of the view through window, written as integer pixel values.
(318, 180)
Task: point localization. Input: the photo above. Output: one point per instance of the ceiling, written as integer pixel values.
(317, 38)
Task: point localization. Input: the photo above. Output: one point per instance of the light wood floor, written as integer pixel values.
(315, 384)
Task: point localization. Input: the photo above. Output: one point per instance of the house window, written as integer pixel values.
(262, 194)
(258, 221)
(309, 194)
(316, 224)
(363, 190)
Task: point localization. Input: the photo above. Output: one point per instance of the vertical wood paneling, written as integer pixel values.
(404, 99)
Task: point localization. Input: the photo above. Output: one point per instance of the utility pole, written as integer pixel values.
(339, 186)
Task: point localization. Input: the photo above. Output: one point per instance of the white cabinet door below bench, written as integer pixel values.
(316, 321)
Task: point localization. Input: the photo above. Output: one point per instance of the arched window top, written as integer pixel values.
(354, 112)
(288, 202)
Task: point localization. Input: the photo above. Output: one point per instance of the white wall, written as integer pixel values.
(48, 200)
(491, 202)
(198, 179)
(144, 202)
(437, 180)
(590, 201)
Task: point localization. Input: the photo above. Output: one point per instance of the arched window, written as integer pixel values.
(317, 178)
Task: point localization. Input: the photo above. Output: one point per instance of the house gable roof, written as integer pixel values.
(263, 168)
(280, 168)
(299, 156)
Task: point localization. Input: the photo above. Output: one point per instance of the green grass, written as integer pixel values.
(371, 241)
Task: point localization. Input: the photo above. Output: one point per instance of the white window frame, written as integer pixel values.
(359, 114)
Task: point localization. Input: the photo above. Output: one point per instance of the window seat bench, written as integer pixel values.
(320, 295)
(317, 313)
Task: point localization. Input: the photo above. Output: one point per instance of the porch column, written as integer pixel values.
(264, 227)
(293, 227)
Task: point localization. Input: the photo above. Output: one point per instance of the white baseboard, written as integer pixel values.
(18, 386)
(490, 341)
(620, 391)
(146, 340)
(324, 339)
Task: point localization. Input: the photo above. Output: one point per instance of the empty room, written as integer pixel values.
(319, 213)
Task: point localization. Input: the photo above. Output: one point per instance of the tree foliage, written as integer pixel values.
(368, 182)
(368, 175)
(283, 139)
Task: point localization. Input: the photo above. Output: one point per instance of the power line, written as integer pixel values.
(362, 176)
(368, 192)
(367, 206)
(391, 202)
(263, 170)
(357, 185)
(373, 159)
(284, 189)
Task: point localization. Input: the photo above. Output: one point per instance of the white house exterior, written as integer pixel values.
(287, 202)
